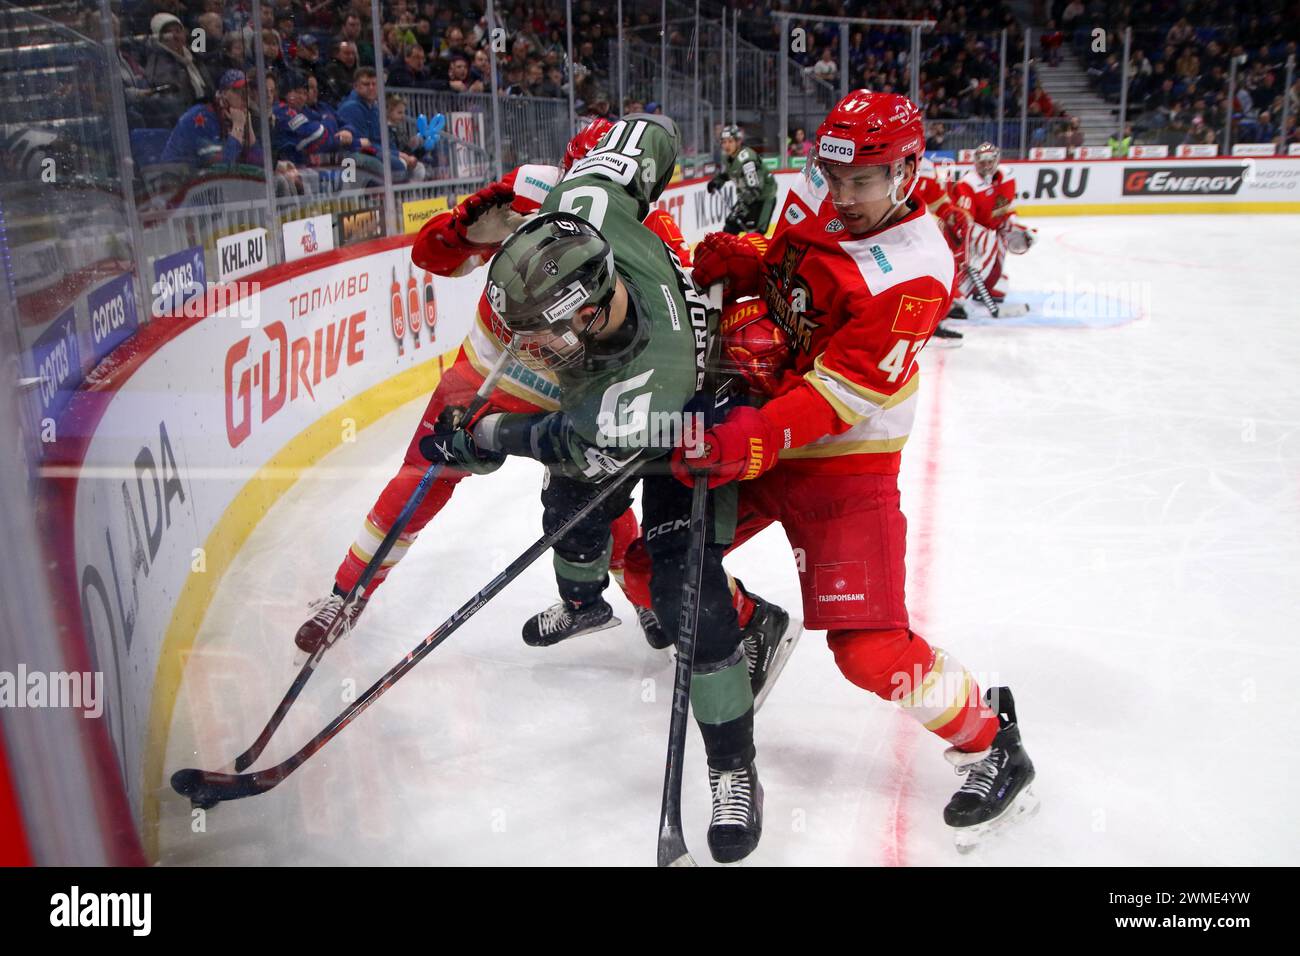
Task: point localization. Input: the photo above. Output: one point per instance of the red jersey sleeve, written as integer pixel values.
(663, 225)
(867, 366)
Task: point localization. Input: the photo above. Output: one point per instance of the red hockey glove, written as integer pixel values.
(475, 208)
(744, 446)
(753, 347)
(737, 260)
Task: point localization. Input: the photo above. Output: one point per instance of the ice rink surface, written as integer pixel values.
(1104, 509)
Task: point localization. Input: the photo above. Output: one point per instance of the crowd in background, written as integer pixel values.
(1180, 63)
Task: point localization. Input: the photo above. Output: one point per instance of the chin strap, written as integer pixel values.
(895, 199)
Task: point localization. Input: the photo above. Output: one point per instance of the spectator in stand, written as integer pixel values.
(321, 112)
(826, 69)
(800, 143)
(480, 69)
(410, 71)
(935, 135)
(219, 133)
(1051, 42)
(1189, 64)
(409, 142)
(307, 56)
(633, 106)
(459, 79)
(1073, 137)
(299, 138)
(339, 73)
(171, 65)
(1200, 134)
(1180, 33)
(514, 85)
(352, 32)
(209, 36)
(360, 113)
(535, 82)
(1120, 145)
(232, 52)
(453, 44)
(1073, 11)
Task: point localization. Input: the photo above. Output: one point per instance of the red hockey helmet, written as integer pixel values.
(585, 141)
(871, 129)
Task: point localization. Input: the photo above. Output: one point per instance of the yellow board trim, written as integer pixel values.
(228, 536)
(1157, 208)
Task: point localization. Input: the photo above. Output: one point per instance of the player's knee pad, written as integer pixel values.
(636, 574)
(624, 530)
(886, 662)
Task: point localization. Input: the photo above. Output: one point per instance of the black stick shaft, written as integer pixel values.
(212, 787)
(672, 841)
(249, 756)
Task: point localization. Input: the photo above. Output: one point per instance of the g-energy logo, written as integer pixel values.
(73, 909)
(833, 147)
(1183, 180)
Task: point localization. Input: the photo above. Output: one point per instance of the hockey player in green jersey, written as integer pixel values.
(755, 185)
(588, 293)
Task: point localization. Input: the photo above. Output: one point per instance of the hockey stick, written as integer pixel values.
(981, 290)
(672, 849)
(672, 841)
(249, 756)
(206, 788)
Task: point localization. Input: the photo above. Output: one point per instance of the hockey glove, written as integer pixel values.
(716, 183)
(485, 218)
(735, 260)
(452, 444)
(742, 447)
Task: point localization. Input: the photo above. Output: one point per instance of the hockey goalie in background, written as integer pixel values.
(981, 226)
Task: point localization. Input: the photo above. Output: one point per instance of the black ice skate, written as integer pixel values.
(737, 821)
(652, 629)
(767, 642)
(957, 311)
(945, 338)
(565, 620)
(325, 609)
(997, 789)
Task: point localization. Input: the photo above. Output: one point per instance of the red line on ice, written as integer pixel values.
(893, 848)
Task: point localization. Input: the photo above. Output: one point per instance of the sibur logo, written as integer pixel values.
(1223, 180)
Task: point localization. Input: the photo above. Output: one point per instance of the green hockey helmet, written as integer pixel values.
(541, 278)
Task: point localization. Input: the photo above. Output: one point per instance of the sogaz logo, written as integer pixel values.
(834, 148)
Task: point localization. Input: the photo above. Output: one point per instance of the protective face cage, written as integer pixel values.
(549, 348)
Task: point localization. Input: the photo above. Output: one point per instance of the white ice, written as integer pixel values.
(1105, 519)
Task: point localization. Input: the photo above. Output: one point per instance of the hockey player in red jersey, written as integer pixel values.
(987, 195)
(858, 283)
(932, 190)
(450, 244)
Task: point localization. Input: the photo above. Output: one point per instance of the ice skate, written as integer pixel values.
(652, 629)
(767, 642)
(997, 790)
(737, 821)
(562, 621)
(946, 338)
(313, 631)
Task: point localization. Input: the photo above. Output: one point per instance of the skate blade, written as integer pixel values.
(783, 650)
(940, 343)
(1025, 805)
(612, 622)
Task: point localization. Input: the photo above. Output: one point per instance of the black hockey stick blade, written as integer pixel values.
(207, 788)
(672, 848)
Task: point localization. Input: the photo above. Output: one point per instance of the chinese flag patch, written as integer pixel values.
(917, 316)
